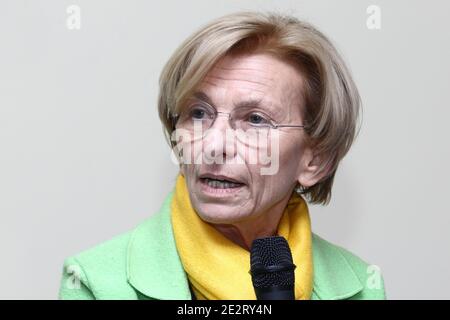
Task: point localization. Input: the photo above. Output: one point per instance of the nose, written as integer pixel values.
(219, 142)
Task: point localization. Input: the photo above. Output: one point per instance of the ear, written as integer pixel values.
(309, 168)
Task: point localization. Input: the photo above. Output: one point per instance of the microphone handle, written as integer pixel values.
(275, 293)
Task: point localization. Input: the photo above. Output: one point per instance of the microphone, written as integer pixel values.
(272, 269)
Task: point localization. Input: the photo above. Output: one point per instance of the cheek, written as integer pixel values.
(289, 157)
(189, 173)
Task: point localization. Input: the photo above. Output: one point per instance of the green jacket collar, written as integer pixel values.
(155, 269)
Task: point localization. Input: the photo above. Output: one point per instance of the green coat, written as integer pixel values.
(144, 264)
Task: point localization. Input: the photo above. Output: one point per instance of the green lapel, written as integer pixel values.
(155, 269)
(153, 265)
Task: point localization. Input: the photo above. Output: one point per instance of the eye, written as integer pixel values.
(199, 113)
(258, 119)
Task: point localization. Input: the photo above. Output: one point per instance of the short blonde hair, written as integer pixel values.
(332, 102)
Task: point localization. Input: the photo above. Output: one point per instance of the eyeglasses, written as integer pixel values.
(199, 115)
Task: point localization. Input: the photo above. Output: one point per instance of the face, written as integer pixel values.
(278, 86)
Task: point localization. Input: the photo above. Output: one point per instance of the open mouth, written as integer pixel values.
(220, 184)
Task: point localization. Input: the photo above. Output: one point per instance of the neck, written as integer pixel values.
(263, 225)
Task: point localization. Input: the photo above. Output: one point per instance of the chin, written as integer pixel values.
(212, 214)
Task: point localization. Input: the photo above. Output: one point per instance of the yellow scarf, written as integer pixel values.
(217, 268)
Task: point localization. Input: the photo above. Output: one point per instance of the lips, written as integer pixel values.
(220, 181)
(220, 177)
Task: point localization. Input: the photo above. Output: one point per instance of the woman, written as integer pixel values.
(244, 86)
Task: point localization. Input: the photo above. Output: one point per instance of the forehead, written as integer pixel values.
(254, 76)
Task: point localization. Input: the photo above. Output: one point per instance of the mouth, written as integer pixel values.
(220, 182)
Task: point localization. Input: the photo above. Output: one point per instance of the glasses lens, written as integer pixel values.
(196, 116)
(251, 126)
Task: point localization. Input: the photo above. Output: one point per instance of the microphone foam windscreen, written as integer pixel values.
(271, 263)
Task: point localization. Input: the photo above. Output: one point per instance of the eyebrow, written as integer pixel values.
(248, 103)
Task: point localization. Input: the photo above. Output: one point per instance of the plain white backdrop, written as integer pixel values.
(83, 157)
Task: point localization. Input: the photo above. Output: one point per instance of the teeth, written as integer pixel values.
(221, 184)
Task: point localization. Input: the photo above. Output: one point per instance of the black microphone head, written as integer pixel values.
(272, 268)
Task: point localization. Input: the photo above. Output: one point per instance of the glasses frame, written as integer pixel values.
(271, 123)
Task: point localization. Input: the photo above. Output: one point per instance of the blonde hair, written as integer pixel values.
(332, 101)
